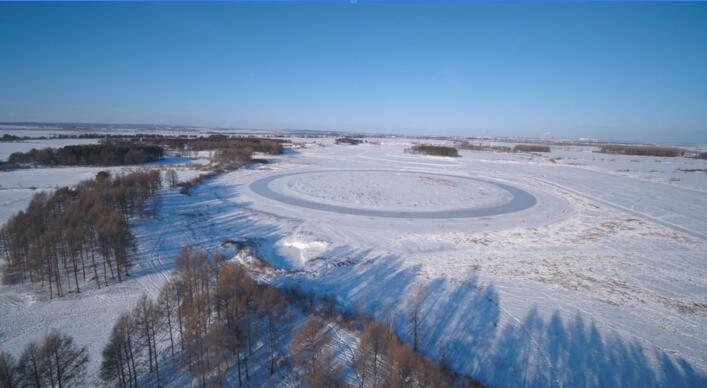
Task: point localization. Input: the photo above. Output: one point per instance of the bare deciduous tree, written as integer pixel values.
(118, 364)
(310, 351)
(168, 308)
(31, 366)
(52, 240)
(415, 315)
(9, 376)
(372, 350)
(273, 306)
(147, 318)
(171, 178)
(63, 363)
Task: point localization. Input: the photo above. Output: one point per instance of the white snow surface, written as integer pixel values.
(382, 190)
(602, 283)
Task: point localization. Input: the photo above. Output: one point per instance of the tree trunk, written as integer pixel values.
(58, 369)
(240, 380)
(76, 275)
(270, 347)
(157, 365)
(132, 361)
(169, 325)
(179, 318)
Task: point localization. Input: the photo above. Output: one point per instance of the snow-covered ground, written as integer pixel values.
(601, 282)
(381, 190)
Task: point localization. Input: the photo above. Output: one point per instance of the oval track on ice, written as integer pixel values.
(521, 199)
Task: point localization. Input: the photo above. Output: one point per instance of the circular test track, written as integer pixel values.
(521, 199)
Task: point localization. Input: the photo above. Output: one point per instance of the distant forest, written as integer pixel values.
(437, 150)
(641, 150)
(108, 154)
(120, 150)
(531, 148)
(219, 142)
(348, 140)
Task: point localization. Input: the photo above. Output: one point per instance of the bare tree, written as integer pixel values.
(9, 376)
(329, 375)
(217, 353)
(63, 360)
(273, 306)
(308, 347)
(50, 242)
(195, 357)
(168, 309)
(415, 315)
(31, 366)
(118, 364)
(372, 350)
(147, 321)
(172, 178)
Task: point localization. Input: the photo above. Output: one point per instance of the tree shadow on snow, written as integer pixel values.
(540, 353)
(207, 219)
(460, 324)
(460, 320)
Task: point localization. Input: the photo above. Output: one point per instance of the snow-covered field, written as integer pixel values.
(374, 189)
(601, 282)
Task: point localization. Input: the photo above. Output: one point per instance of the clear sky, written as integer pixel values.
(616, 71)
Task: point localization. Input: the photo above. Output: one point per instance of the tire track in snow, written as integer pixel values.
(659, 221)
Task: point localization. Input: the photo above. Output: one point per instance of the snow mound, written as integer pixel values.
(299, 252)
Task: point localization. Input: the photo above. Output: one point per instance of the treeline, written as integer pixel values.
(211, 315)
(641, 150)
(10, 138)
(380, 359)
(231, 158)
(348, 140)
(482, 147)
(230, 152)
(55, 362)
(225, 160)
(108, 154)
(496, 148)
(531, 148)
(61, 237)
(437, 150)
(220, 142)
(7, 137)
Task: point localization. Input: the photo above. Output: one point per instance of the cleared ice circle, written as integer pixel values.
(394, 193)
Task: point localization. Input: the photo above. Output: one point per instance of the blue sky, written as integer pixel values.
(617, 71)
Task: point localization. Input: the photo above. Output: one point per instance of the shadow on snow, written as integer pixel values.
(461, 326)
(460, 320)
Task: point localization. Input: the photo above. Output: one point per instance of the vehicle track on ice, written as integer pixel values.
(521, 199)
